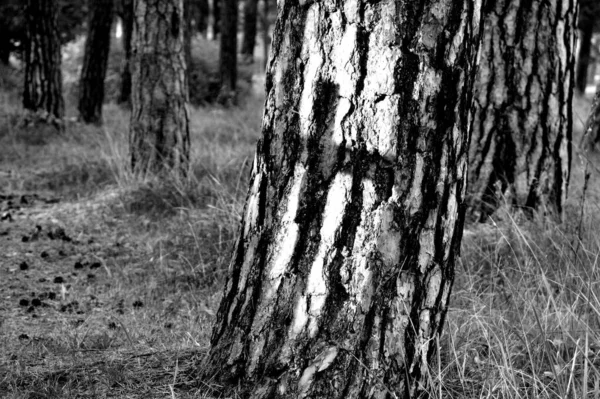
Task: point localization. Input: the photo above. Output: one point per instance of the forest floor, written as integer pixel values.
(109, 285)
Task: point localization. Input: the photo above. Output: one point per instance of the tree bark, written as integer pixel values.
(228, 52)
(520, 149)
(249, 41)
(95, 61)
(159, 131)
(43, 77)
(340, 279)
(127, 38)
(583, 60)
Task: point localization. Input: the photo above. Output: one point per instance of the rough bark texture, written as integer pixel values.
(95, 61)
(228, 51)
(159, 131)
(127, 17)
(341, 275)
(583, 59)
(249, 40)
(43, 77)
(520, 149)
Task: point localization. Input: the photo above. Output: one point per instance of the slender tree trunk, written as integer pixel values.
(341, 275)
(583, 60)
(5, 46)
(159, 132)
(265, 33)
(43, 77)
(187, 43)
(228, 52)
(216, 20)
(249, 41)
(520, 148)
(95, 61)
(127, 38)
(591, 136)
(203, 14)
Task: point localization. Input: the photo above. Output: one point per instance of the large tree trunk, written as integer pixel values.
(249, 40)
(127, 38)
(159, 132)
(95, 60)
(520, 148)
(583, 59)
(228, 51)
(340, 278)
(43, 77)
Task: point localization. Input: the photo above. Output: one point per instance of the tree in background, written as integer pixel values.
(216, 20)
(127, 16)
(249, 31)
(522, 120)
(228, 52)
(95, 60)
(159, 137)
(43, 77)
(266, 36)
(341, 275)
(588, 23)
(591, 133)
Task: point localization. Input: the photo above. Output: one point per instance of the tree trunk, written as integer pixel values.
(228, 52)
(341, 275)
(520, 149)
(216, 20)
(265, 33)
(583, 60)
(5, 46)
(187, 43)
(43, 77)
(95, 61)
(591, 136)
(159, 132)
(249, 41)
(127, 20)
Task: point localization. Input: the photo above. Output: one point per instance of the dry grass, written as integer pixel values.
(524, 319)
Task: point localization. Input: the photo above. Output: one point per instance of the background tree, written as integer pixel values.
(43, 77)
(522, 119)
(265, 27)
(341, 275)
(588, 23)
(95, 60)
(591, 135)
(159, 137)
(249, 31)
(228, 51)
(216, 20)
(127, 17)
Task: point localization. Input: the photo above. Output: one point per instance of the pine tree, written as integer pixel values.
(340, 278)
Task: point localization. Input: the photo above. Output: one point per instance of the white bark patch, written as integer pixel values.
(386, 111)
(320, 363)
(415, 198)
(316, 287)
(343, 56)
(311, 51)
(252, 207)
